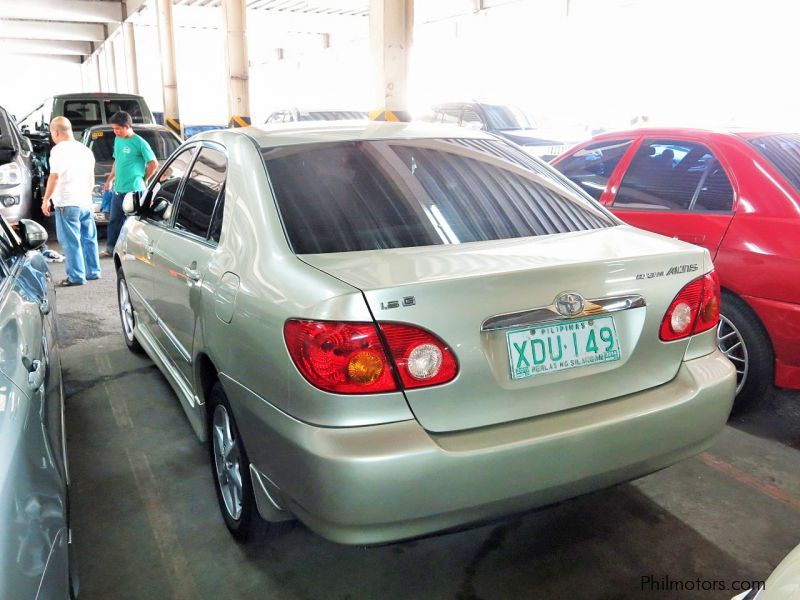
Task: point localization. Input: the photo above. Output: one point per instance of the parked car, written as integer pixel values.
(85, 110)
(384, 333)
(100, 140)
(292, 115)
(782, 584)
(16, 167)
(34, 516)
(737, 195)
(505, 120)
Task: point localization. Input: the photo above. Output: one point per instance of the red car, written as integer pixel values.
(737, 194)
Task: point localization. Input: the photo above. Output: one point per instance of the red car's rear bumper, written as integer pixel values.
(782, 321)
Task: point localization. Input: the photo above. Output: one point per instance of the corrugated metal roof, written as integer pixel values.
(301, 7)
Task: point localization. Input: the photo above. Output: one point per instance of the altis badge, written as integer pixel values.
(674, 270)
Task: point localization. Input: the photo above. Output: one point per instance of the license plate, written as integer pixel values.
(562, 346)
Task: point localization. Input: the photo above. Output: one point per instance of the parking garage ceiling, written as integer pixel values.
(73, 29)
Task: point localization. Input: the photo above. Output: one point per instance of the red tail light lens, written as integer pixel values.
(344, 358)
(695, 309)
(350, 358)
(422, 359)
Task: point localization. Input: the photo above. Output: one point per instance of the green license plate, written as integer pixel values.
(562, 346)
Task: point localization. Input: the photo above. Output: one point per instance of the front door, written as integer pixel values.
(144, 234)
(677, 188)
(183, 253)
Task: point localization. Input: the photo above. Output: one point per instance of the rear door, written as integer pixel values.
(183, 252)
(678, 188)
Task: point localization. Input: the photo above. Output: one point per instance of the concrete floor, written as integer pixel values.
(146, 523)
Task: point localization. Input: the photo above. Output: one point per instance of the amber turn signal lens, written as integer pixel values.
(365, 368)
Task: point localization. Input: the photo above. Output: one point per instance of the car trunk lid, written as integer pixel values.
(473, 295)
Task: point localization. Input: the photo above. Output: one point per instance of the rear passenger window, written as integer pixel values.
(592, 166)
(200, 193)
(675, 175)
(216, 223)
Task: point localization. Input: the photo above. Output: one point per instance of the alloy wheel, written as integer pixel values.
(228, 462)
(731, 343)
(126, 310)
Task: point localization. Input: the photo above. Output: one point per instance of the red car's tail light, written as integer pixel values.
(422, 359)
(695, 309)
(344, 358)
(350, 358)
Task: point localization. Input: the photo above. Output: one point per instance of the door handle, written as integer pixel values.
(192, 274)
(36, 374)
(149, 250)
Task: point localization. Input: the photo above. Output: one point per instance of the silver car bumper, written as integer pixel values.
(381, 483)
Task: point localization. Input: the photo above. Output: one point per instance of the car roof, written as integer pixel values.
(660, 132)
(97, 95)
(341, 131)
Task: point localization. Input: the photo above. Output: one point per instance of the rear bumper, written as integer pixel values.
(782, 321)
(388, 482)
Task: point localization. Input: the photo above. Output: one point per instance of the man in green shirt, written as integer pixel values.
(134, 164)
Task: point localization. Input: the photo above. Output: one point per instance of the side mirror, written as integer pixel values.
(130, 203)
(26, 144)
(33, 235)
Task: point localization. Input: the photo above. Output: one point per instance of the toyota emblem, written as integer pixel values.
(569, 304)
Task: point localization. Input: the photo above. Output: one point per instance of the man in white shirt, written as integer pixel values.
(69, 186)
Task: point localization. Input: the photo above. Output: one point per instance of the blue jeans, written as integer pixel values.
(115, 222)
(77, 234)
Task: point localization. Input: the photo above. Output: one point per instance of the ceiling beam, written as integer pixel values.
(86, 11)
(42, 30)
(52, 47)
(67, 59)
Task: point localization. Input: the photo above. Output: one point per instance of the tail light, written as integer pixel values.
(422, 359)
(695, 309)
(351, 358)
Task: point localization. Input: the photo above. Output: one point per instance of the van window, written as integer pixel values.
(82, 113)
(132, 107)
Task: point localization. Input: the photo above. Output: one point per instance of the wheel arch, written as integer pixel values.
(729, 292)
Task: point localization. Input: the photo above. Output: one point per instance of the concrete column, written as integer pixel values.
(83, 76)
(169, 78)
(96, 68)
(102, 85)
(391, 23)
(111, 65)
(129, 34)
(237, 62)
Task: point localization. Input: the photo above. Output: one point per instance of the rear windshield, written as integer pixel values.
(163, 143)
(370, 195)
(783, 151)
(83, 113)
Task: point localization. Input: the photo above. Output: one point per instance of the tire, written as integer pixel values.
(127, 315)
(743, 339)
(227, 466)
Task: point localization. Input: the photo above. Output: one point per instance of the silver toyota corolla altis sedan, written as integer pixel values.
(386, 330)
